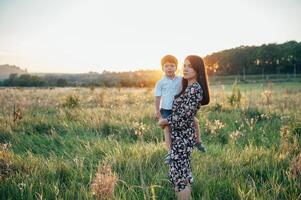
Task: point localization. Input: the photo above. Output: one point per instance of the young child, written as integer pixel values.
(165, 90)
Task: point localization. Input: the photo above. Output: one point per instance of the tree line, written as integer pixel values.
(265, 59)
(142, 78)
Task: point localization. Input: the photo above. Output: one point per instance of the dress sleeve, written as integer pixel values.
(185, 113)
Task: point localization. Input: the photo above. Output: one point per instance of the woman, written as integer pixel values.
(194, 93)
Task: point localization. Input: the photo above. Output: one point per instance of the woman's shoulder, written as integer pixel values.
(196, 91)
(196, 87)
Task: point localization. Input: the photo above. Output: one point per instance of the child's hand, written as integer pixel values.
(158, 115)
(201, 147)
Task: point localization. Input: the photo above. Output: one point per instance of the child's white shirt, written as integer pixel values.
(167, 88)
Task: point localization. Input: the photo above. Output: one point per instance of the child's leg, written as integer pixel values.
(199, 144)
(167, 138)
(197, 130)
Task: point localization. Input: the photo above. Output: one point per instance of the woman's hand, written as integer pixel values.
(162, 122)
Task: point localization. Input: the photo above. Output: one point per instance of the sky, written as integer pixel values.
(73, 36)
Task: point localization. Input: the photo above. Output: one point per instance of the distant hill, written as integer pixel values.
(6, 70)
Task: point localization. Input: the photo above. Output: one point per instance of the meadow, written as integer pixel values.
(104, 143)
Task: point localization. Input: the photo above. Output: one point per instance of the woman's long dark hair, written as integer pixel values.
(197, 64)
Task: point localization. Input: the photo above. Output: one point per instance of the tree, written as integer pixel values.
(61, 82)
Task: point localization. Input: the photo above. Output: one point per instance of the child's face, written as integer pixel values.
(169, 69)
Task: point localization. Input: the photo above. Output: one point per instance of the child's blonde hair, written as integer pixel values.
(169, 58)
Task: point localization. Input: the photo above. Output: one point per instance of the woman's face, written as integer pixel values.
(188, 72)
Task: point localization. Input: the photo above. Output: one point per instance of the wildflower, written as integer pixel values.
(235, 134)
(22, 186)
(282, 156)
(251, 122)
(284, 131)
(214, 127)
(104, 182)
(266, 97)
(139, 128)
(296, 166)
(17, 114)
(218, 124)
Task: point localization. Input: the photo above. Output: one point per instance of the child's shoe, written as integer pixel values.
(201, 147)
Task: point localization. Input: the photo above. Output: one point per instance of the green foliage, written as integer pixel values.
(267, 58)
(24, 80)
(61, 82)
(71, 101)
(235, 97)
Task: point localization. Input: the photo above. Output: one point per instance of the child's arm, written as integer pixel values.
(197, 130)
(157, 105)
(158, 94)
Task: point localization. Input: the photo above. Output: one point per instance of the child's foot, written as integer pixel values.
(167, 159)
(201, 147)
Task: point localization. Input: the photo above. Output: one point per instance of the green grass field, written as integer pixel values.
(81, 143)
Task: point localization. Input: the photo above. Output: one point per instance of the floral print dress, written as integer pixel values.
(183, 139)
